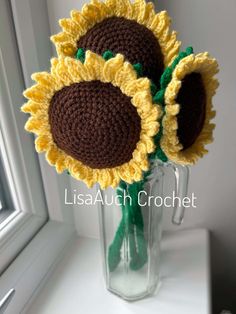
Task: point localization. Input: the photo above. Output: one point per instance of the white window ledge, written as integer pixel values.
(34, 264)
(76, 285)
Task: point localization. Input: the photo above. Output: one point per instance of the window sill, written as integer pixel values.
(34, 264)
(76, 285)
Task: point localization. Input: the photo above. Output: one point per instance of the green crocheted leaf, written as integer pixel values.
(80, 55)
(108, 55)
(138, 68)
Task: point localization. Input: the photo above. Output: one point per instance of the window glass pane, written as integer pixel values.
(6, 200)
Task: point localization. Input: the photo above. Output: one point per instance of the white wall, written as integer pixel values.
(208, 25)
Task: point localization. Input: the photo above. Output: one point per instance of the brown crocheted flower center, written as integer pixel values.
(192, 100)
(95, 123)
(136, 42)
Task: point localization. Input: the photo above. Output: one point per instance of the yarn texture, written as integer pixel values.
(87, 29)
(119, 96)
(136, 42)
(95, 123)
(202, 68)
(64, 116)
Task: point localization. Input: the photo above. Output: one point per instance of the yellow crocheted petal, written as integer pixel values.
(102, 7)
(186, 65)
(111, 67)
(80, 20)
(124, 75)
(54, 62)
(105, 178)
(65, 44)
(148, 142)
(135, 169)
(142, 11)
(43, 143)
(94, 65)
(136, 86)
(142, 101)
(138, 8)
(139, 155)
(125, 174)
(78, 170)
(68, 49)
(61, 163)
(116, 179)
(150, 128)
(172, 91)
(52, 155)
(62, 73)
(34, 108)
(170, 124)
(207, 67)
(70, 28)
(96, 11)
(76, 69)
(141, 147)
(37, 93)
(191, 155)
(46, 80)
(125, 9)
(93, 14)
(109, 177)
(172, 110)
(71, 163)
(37, 125)
(61, 38)
(153, 115)
(170, 47)
(144, 165)
(118, 7)
(159, 25)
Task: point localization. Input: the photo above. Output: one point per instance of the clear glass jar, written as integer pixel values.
(130, 231)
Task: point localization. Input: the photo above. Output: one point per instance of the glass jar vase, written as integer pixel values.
(130, 219)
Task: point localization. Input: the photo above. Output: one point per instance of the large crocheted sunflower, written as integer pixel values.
(95, 119)
(187, 126)
(121, 26)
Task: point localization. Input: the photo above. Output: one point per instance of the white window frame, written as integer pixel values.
(42, 207)
(17, 150)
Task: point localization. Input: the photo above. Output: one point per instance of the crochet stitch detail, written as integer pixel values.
(134, 41)
(95, 123)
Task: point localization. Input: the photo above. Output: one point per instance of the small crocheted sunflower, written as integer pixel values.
(188, 94)
(96, 119)
(121, 26)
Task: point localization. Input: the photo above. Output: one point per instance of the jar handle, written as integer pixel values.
(181, 189)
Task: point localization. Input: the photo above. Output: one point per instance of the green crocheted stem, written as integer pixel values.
(140, 258)
(131, 228)
(125, 229)
(130, 232)
(114, 249)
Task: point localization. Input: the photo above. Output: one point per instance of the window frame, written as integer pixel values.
(29, 201)
(46, 212)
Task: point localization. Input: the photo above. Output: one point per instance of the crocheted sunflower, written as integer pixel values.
(188, 94)
(121, 26)
(96, 119)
